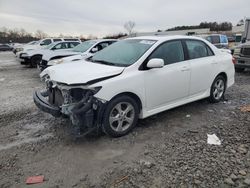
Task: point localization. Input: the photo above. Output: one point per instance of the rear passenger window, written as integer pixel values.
(170, 52)
(72, 44)
(45, 42)
(198, 49)
(209, 51)
(60, 46)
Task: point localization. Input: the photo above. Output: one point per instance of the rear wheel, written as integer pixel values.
(120, 116)
(218, 89)
(35, 60)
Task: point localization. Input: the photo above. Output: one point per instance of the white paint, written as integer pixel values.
(158, 89)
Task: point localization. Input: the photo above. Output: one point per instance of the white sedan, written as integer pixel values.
(82, 51)
(33, 57)
(135, 78)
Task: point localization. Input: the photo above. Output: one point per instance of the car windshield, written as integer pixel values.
(84, 46)
(32, 42)
(215, 39)
(123, 53)
(49, 46)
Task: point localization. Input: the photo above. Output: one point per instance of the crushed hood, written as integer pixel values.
(80, 72)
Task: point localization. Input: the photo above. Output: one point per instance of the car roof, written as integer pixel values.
(57, 42)
(165, 38)
(102, 40)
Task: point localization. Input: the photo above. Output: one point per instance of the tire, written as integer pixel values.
(35, 60)
(239, 69)
(116, 121)
(218, 89)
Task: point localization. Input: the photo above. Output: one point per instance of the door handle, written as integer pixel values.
(214, 63)
(183, 69)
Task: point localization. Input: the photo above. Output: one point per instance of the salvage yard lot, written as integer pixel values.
(167, 150)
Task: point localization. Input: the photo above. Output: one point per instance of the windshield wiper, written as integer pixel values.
(103, 62)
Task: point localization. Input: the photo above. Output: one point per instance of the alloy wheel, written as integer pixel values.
(122, 116)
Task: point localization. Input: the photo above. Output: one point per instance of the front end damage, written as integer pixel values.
(74, 101)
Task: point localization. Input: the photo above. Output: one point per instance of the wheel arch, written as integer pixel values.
(132, 95)
(35, 55)
(224, 75)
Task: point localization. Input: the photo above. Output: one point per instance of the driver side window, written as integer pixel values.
(170, 52)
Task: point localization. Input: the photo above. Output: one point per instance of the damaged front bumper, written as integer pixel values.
(85, 114)
(42, 103)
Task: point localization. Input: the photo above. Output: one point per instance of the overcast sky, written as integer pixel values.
(102, 17)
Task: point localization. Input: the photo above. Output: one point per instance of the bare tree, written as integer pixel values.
(129, 26)
(22, 32)
(40, 34)
(241, 22)
(90, 36)
(61, 35)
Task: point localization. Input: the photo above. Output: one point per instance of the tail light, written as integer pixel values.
(234, 60)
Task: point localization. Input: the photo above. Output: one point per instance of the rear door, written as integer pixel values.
(203, 65)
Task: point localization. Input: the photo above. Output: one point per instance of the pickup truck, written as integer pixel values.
(242, 52)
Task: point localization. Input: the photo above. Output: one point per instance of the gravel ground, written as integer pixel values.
(166, 150)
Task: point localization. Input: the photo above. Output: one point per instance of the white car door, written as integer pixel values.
(170, 83)
(203, 66)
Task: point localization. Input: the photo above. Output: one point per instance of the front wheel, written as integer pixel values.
(218, 89)
(35, 60)
(120, 116)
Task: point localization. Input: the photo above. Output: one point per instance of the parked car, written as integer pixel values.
(135, 78)
(242, 51)
(5, 47)
(242, 56)
(43, 43)
(33, 57)
(220, 41)
(82, 51)
(19, 47)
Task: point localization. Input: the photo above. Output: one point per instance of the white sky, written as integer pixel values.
(102, 17)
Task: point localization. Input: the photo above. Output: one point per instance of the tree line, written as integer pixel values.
(22, 36)
(213, 26)
(19, 35)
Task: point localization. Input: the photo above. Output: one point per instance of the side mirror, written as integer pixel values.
(42, 44)
(155, 63)
(94, 50)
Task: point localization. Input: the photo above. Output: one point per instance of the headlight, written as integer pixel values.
(45, 78)
(236, 51)
(55, 62)
(24, 55)
(19, 49)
